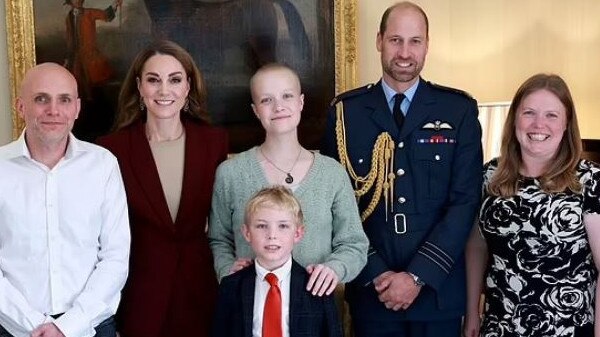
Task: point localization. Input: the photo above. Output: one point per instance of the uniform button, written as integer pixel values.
(360, 161)
(402, 200)
(400, 145)
(400, 172)
(437, 157)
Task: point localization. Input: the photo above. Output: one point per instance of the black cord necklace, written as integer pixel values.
(288, 178)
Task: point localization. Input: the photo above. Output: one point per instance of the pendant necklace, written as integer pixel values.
(289, 178)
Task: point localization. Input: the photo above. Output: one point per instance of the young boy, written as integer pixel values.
(248, 305)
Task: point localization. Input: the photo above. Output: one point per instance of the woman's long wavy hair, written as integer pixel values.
(128, 108)
(560, 175)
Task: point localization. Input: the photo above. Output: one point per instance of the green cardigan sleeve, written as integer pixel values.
(349, 241)
(220, 229)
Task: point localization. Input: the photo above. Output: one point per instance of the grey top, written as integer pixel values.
(333, 230)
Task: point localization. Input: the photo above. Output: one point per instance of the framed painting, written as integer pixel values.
(229, 39)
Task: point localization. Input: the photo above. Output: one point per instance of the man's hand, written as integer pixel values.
(378, 282)
(396, 290)
(240, 264)
(47, 330)
(323, 279)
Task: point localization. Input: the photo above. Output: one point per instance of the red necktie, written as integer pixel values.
(272, 314)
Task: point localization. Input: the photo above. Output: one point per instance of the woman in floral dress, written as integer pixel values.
(538, 231)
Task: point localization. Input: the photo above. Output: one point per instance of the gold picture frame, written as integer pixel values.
(21, 47)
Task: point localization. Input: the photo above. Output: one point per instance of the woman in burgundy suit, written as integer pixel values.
(168, 155)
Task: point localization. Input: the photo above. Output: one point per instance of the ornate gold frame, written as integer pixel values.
(21, 46)
(345, 44)
(20, 42)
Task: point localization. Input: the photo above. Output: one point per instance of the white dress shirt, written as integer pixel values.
(261, 288)
(64, 239)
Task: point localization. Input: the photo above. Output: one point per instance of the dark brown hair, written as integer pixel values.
(128, 108)
(560, 174)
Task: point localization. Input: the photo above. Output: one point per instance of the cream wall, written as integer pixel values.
(490, 47)
(5, 114)
(484, 47)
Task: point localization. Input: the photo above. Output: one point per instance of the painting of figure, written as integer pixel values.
(229, 40)
(90, 67)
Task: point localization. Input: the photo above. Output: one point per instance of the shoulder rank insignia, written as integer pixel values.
(351, 93)
(454, 90)
(437, 125)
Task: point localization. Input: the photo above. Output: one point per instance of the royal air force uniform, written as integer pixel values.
(418, 198)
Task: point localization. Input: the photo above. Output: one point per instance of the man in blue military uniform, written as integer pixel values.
(413, 151)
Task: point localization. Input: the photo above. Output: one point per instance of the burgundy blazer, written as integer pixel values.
(171, 288)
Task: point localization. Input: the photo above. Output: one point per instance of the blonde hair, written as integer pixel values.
(277, 196)
(273, 67)
(560, 175)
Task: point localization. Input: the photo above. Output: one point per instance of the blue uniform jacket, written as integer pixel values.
(437, 166)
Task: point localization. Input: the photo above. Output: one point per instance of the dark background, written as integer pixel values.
(591, 149)
(229, 40)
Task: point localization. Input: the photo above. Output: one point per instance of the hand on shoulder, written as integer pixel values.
(240, 264)
(322, 281)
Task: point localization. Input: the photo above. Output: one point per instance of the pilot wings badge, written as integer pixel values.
(437, 126)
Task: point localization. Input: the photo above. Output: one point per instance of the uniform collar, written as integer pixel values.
(390, 93)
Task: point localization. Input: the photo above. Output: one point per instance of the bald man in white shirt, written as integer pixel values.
(64, 228)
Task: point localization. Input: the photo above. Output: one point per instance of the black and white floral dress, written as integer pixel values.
(540, 278)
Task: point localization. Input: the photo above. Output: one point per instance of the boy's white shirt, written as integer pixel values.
(261, 288)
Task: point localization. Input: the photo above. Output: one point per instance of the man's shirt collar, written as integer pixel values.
(390, 93)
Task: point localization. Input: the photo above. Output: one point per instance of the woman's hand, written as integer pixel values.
(322, 281)
(240, 264)
(471, 325)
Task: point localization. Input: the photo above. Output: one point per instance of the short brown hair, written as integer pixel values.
(128, 108)
(403, 4)
(561, 173)
(276, 196)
